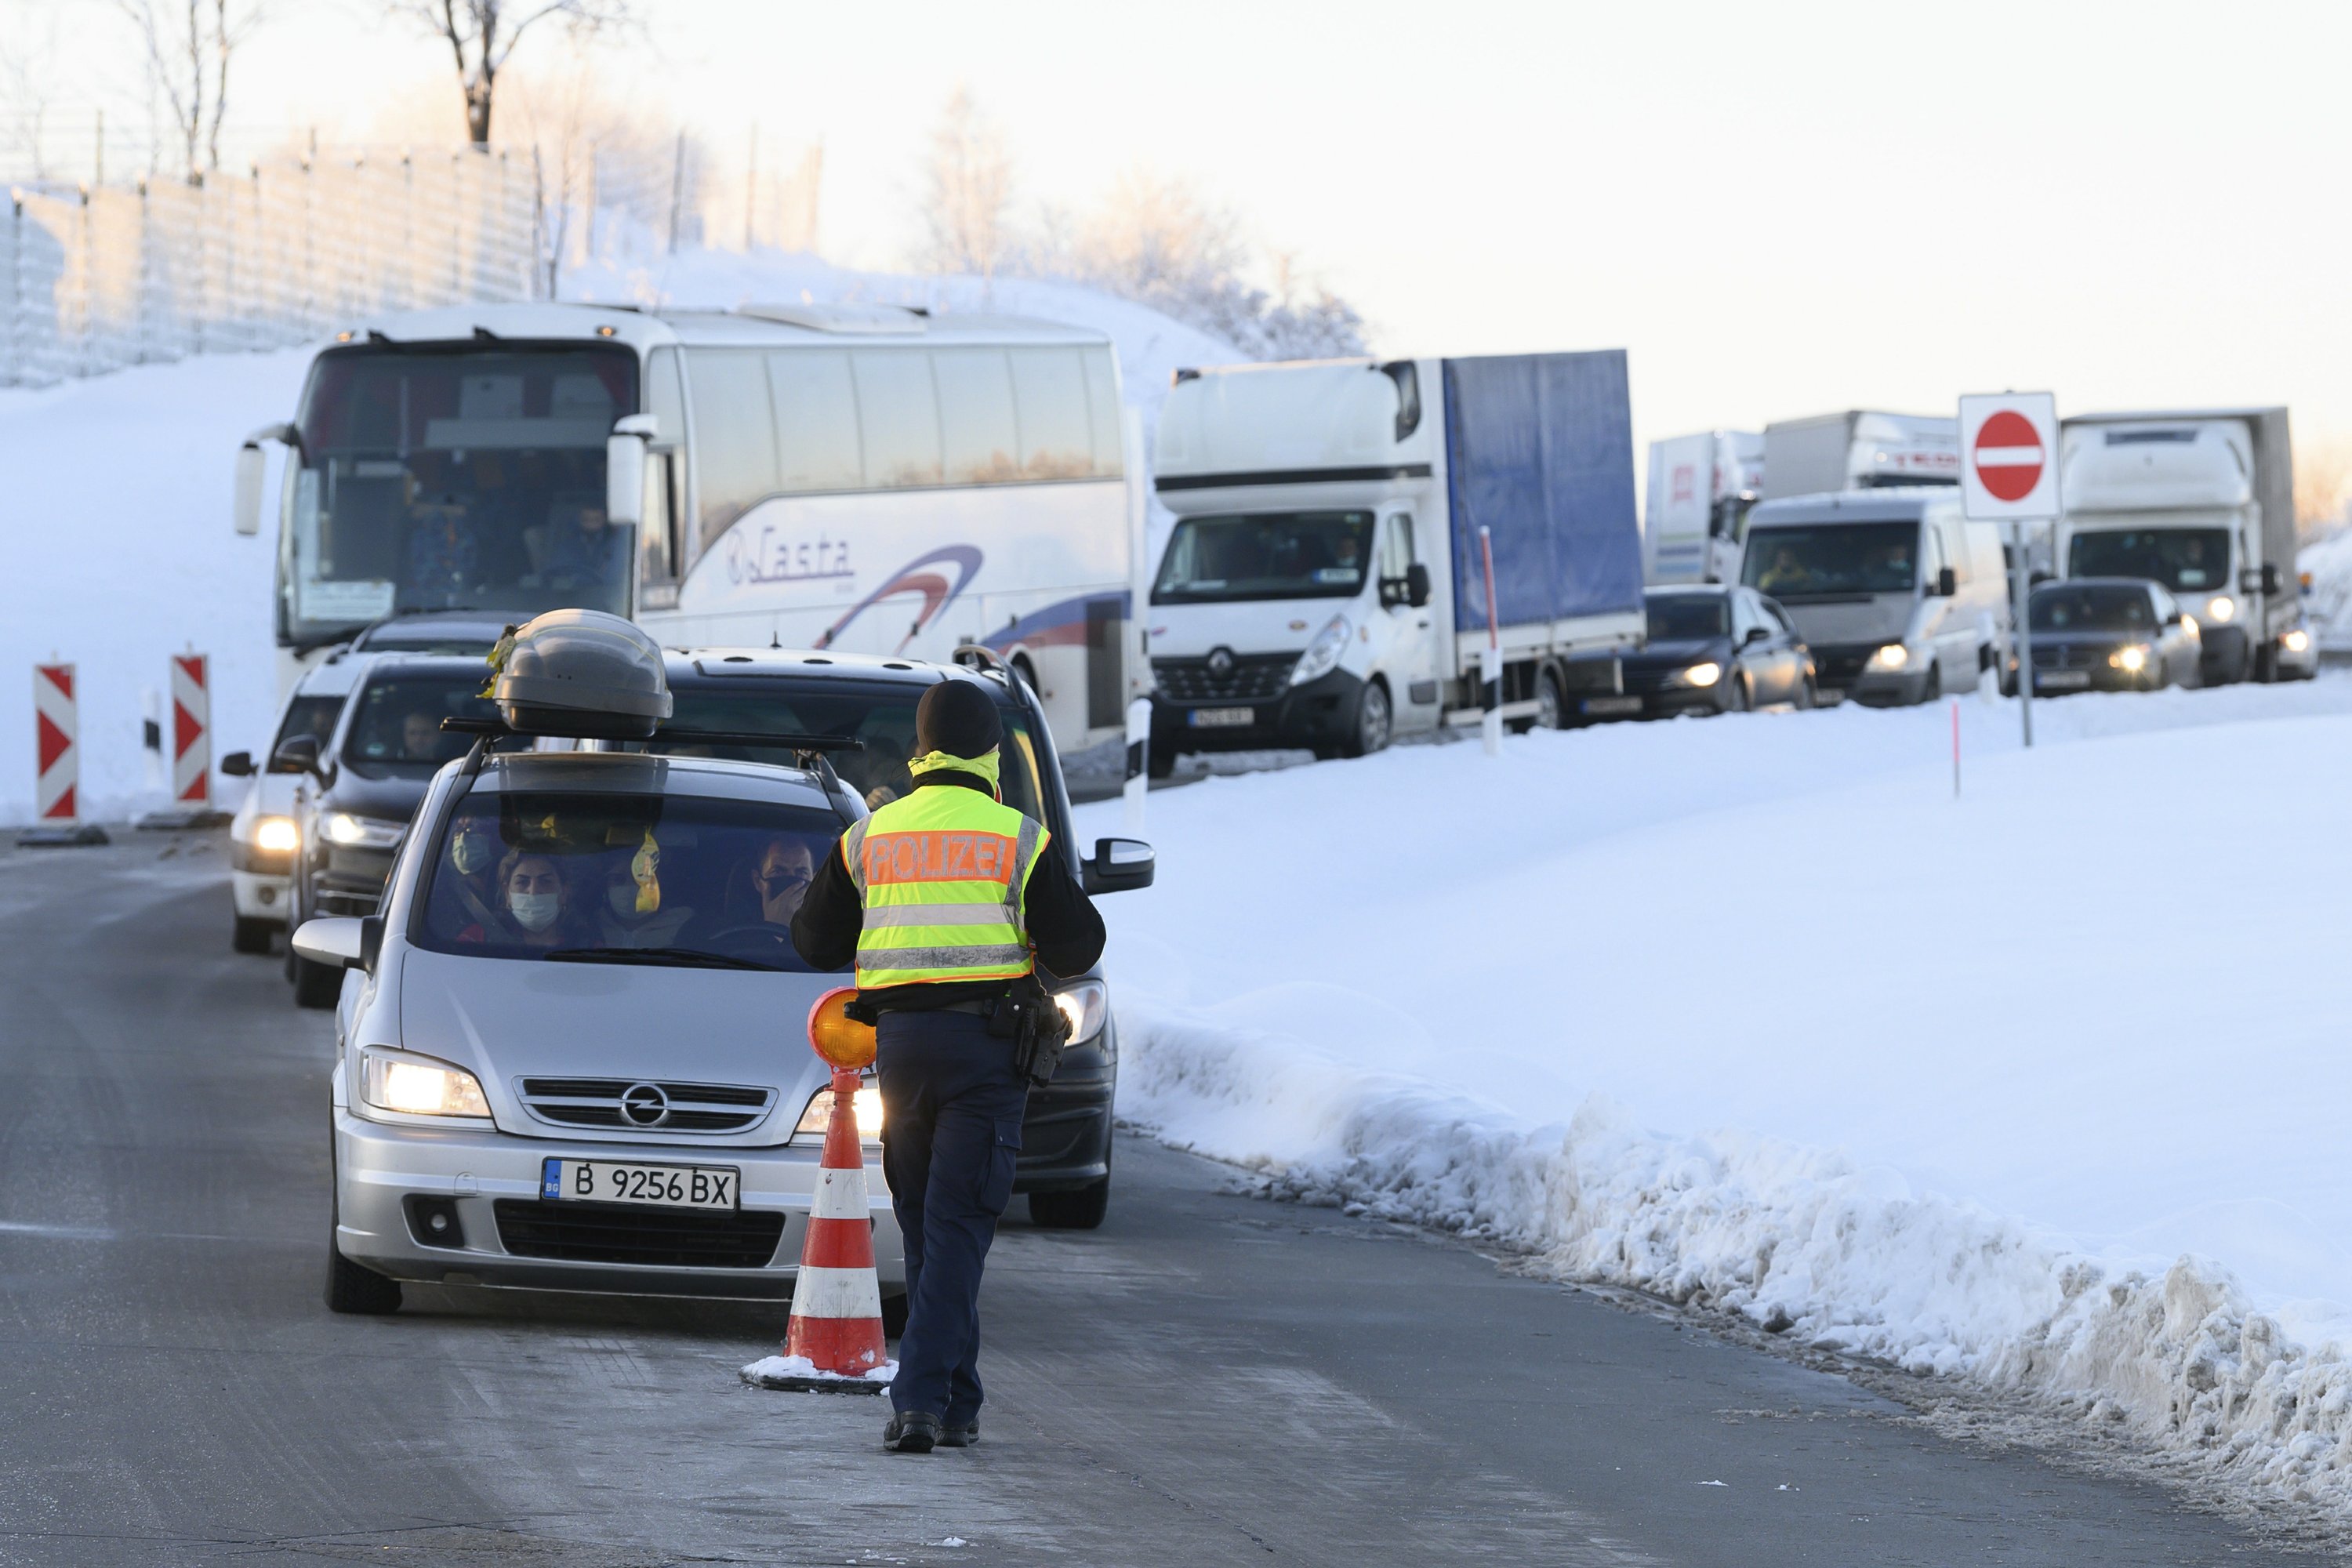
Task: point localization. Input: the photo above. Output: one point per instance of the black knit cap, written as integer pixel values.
(957, 717)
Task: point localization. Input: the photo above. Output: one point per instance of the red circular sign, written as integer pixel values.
(2007, 456)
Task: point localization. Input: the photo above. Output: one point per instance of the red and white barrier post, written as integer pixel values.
(835, 1342)
(57, 730)
(192, 730)
(56, 763)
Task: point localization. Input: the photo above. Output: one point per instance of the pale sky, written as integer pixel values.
(1778, 209)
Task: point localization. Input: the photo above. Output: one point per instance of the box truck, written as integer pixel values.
(2202, 502)
(1859, 449)
(1699, 492)
(1325, 583)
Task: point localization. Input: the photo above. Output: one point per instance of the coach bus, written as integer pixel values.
(865, 478)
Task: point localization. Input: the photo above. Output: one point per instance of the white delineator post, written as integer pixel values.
(1490, 726)
(57, 730)
(1138, 754)
(192, 721)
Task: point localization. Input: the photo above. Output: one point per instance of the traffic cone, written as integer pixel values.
(834, 1342)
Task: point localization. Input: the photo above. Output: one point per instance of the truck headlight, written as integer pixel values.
(342, 827)
(1322, 654)
(2131, 660)
(1704, 673)
(418, 1086)
(1085, 1005)
(1890, 657)
(276, 834)
(2220, 607)
(2296, 641)
(867, 1107)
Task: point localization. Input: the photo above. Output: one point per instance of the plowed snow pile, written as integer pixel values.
(2044, 1087)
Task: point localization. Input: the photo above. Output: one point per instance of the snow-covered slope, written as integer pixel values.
(2041, 1087)
(120, 553)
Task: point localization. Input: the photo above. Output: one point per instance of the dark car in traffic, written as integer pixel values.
(2110, 634)
(1712, 648)
(1066, 1144)
(362, 785)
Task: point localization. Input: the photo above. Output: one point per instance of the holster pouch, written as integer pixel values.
(1040, 1031)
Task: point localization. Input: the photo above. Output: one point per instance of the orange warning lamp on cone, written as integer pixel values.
(834, 1342)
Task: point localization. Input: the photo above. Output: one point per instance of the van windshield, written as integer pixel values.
(1833, 559)
(2102, 607)
(2185, 560)
(612, 878)
(1265, 555)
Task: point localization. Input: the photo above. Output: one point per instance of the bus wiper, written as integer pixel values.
(679, 957)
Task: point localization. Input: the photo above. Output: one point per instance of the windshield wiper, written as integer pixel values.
(681, 957)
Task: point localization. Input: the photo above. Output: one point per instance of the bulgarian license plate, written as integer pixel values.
(614, 1181)
(2063, 680)
(1223, 718)
(1605, 705)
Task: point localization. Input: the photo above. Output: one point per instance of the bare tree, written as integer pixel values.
(967, 191)
(2323, 479)
(189, 45)
(482, 36)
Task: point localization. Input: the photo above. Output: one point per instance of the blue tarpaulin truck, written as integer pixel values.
(1323, 581)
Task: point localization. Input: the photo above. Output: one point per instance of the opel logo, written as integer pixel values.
(644, 1105)
(1220, 662)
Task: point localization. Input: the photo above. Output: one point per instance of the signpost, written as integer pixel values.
(2009, 473)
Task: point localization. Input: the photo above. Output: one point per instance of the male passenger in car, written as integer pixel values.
(466, 892)
(781, 878)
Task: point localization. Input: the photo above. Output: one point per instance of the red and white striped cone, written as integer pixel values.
(835, 1342)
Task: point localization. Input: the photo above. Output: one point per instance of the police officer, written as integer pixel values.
(950, 901)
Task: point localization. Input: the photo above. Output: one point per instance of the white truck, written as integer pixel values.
(1699, 491)
(2201, 500)
(1859, 449)
(1325, 584)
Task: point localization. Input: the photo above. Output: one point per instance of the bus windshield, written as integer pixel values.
(1265, 555)
(432, 479)
(1833, 559)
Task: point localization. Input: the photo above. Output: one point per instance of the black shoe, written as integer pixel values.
(911, 1432)
(960, 1434)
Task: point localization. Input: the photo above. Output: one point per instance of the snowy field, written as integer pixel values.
(2043, 1087)
(121, 549)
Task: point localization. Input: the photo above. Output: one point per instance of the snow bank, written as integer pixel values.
(122, 553)
(2327, 562)
(1750, 1014)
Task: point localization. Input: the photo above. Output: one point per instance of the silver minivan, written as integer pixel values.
(1899, 597)
(574, 1053)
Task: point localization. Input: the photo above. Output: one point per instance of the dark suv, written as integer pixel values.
(1066, 1146)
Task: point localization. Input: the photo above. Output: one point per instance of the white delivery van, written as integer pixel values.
(1898, 595)
(1325, 584)
(1699, 492)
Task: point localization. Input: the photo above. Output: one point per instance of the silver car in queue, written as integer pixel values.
(623, 1121)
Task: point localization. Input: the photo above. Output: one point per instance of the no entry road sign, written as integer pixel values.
(2009, 455)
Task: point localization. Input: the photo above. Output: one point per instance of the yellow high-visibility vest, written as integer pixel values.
(944, 873)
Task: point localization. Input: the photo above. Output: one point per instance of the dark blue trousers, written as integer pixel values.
(951, 1105)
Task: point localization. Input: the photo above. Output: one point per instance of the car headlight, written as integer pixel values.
(2131, 660)
(2296, 641)
(1706, 672)
(2220, 607)
(418, 1086)
(1085, 1005)
(342, 827)
(867, 1107)
(278, 834)
(1322, 654)
(1890, 657)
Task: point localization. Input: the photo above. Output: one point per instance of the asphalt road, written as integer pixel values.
(1208, 1380)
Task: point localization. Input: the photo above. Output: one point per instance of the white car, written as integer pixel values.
(571, 1050)
(262, 836)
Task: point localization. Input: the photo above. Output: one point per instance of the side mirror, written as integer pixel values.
(1755, 633)
(2270, 577)
(299, 754)
(252, 467)
(1416, 585)
(333, 940)
(625, 471)
(238, 765)
(1119, 866)
(1946, 583)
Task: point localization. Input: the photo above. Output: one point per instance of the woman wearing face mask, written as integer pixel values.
(536, 898)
